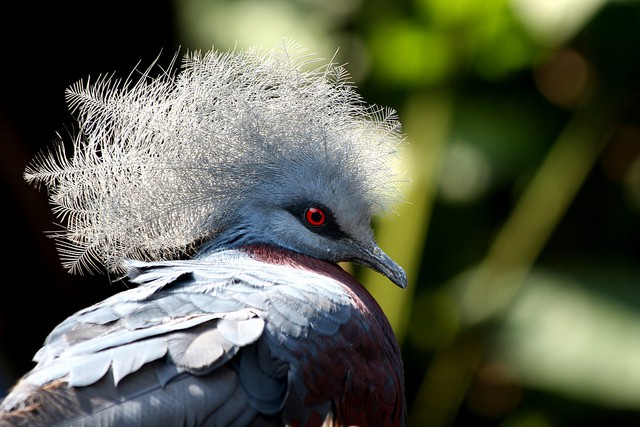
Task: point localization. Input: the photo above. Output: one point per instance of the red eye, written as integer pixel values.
(315, 216)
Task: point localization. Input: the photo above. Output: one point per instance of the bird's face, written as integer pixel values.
(317, 214)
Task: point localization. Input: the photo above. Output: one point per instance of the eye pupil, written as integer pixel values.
(315, 216)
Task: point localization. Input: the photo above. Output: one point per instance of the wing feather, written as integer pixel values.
(231, 327)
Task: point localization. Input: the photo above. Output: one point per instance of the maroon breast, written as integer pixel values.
(359, 369)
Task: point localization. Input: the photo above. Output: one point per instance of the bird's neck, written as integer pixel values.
(281, 256)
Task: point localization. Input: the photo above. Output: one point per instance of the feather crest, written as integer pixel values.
(157, 162)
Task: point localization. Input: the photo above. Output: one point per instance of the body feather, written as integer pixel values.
(138, 343)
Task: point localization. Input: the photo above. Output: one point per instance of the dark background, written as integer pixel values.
(46, 48)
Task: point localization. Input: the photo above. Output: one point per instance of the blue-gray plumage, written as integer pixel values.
(274, 173)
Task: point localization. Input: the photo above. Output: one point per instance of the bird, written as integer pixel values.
(227, 193)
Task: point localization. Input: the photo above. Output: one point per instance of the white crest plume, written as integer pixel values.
(158, 162)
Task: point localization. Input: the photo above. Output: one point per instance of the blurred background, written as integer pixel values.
(521, 227)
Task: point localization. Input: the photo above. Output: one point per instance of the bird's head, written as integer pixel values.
(251, 147)
(313, 206)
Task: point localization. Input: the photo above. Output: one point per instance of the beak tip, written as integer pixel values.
(373, 257)
(400, 279)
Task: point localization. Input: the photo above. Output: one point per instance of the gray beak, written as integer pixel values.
(374, 258)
